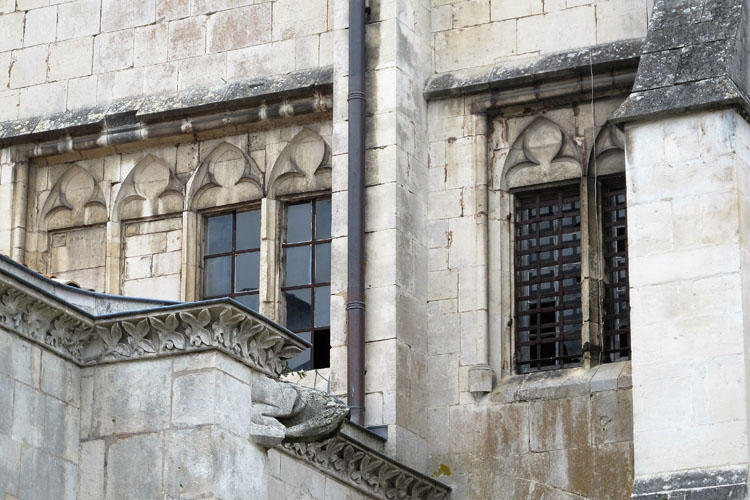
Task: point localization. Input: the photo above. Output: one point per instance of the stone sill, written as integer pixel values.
(563, 383)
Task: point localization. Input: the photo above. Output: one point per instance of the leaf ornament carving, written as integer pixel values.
(87, 339)
(225, 330)
(196, 330)
(13, 308)
(352, 463)
(137, 337)
(170, 337)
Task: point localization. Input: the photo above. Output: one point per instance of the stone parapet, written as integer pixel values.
(87, 339)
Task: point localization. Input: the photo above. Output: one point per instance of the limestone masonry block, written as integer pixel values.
(40, 26)
(118, 15)
(71, 58)
(135, 456)
(11, 25)
(150, 46)
(42, 99)
(187, 37)
(81, 92)
(508, 9)
(294, 19)
(29, 67)
(113, 51)
(480, 44)
(557, 31)
(78, 18)
(237, 28)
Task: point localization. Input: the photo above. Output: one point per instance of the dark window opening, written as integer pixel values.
(616, 328)
(548, 314)
(306, 286)
(231, 260)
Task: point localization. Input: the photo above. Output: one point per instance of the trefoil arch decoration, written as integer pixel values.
(75, 199)
(608, 154)
(226, 176)
(304, 166)
(542, 153)
(151, 188)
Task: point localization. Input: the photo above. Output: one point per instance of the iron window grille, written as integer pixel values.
(548, 314)
(231, 260)
(306, 286)
(616, 327)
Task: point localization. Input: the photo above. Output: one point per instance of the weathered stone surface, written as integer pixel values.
(691, 60)
(135, 456)
(707, 484)
(291, 413)
(600, 58)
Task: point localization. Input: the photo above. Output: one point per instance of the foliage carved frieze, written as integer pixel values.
(349, 461)
(155, 332)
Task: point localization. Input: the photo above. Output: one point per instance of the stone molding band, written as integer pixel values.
(371, 472)
(703, 484)
(188, 112)
(85, 339)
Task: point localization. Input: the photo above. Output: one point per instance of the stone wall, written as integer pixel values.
(291, 478)
(179, 425)
(64, 55)
(469, 33)
(564, 434)
(40, 401)
(687, 190)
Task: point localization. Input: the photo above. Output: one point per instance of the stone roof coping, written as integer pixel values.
(694, 58)
(90, 328)
(353, 462)
(158, 107)
(507, 75)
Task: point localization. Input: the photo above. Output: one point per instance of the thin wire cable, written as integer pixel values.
(596, 199)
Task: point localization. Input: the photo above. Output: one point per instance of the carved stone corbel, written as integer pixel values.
(289, 413)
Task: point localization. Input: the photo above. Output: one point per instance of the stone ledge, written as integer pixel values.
(160, 107)
(703, 484)
(90, 339)
(603, 58)
(352, 462)
(556, 384)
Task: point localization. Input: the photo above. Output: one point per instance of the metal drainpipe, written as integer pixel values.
(355, 306)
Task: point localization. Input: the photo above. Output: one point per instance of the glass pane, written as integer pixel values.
(219, 234)
(247, 272)
(322, 306)
(248, 230)
(298, 309)
(217, 276)
(297, 266)
(250, 301)
(300, 362)
(323, 263)
(322, 219)
(299, 223)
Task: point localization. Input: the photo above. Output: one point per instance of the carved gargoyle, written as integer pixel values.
(289, 413)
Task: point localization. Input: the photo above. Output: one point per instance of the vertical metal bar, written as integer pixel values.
(355, 306)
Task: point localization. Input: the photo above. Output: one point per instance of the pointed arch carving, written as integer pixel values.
(151, 188)
(227, 175)
(608, 151)
(303, 166)
(541, 153)
(76, 199)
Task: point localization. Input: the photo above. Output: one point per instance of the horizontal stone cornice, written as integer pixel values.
(85, 339)
(371, 472)
(163, 115)
(536, 79)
